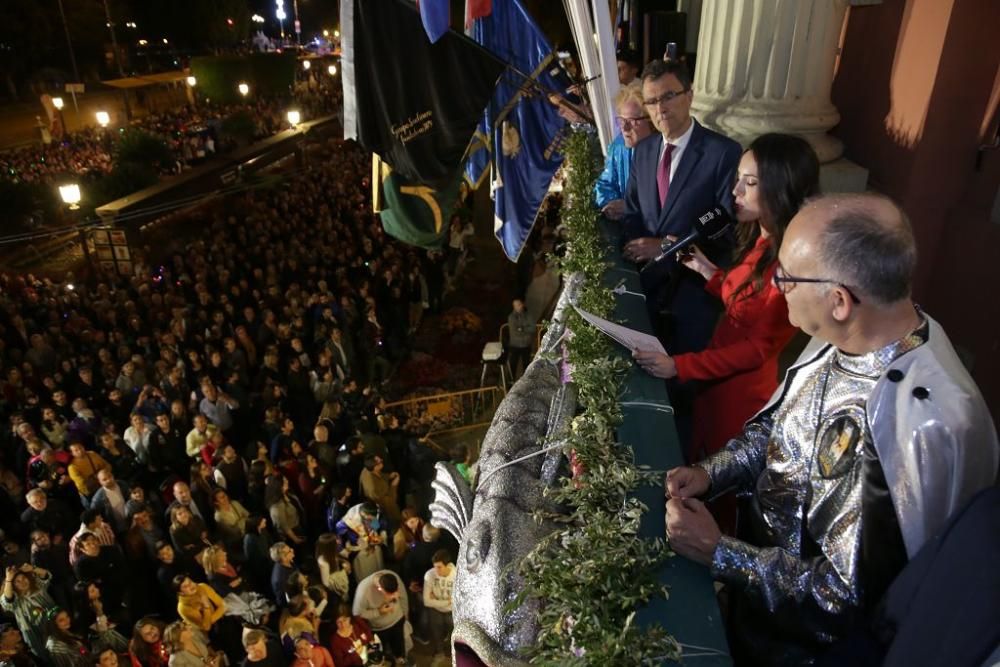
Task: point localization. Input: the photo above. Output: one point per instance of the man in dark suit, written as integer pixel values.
(677, 175)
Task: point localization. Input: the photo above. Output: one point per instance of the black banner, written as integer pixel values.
(414, 103)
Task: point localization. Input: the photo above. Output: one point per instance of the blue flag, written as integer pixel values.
(436, 17)
(521, 132)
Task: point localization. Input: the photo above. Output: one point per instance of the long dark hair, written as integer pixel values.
(787, 174)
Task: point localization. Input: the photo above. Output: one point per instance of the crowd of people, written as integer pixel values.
(193, 133)
(198, 468)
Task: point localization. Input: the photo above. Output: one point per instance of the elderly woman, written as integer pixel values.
(635, 124)
(25, 596)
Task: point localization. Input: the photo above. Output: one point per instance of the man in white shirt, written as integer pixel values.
(137, 438)
(438, 584)
(110, 500)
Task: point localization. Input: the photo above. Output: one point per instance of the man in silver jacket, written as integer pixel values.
(875, 437)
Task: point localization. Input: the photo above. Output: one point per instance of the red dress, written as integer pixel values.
(740, 364)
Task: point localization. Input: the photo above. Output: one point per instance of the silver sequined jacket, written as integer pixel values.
(932, 436)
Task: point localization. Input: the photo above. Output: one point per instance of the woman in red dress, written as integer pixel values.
(739, 368)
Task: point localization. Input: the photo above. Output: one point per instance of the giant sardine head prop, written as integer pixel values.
(493, 520)
(494, 524)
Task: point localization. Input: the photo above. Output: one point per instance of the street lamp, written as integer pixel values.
(326, 33)
(336, 33)
(332, 69)
(244, 89)
(192, 81)
(294, 117)
(103, 118)
(306, 65)
(70, 194)
(57, 102)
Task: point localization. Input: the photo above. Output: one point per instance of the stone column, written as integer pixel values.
(767, 66)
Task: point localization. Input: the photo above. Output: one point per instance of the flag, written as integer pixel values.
(521, 132)
(476, 9)
(414, 103)
(436, 17)
(413, 213)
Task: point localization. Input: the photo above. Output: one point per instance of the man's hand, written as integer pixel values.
(642, 250)
(415, 587)
(691, 530)
(656, 364)
(385, 608)
(614, 210)
(687, 482)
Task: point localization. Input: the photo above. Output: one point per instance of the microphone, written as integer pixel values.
(710, 226)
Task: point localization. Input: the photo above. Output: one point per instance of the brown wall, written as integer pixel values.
(913, 88)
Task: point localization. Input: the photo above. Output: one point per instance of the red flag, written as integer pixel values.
(476, 9)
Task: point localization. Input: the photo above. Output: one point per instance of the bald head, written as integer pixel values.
(863, 241)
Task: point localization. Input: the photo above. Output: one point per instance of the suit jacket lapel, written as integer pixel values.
(689, 160)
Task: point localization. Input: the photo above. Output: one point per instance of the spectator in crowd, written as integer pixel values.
(198, 604)
(188, 647)
(521, 338)
(283, 556)
(262, 652)
(352, 639)
(380, 601)
(311, 654)
(438, 584)
(25, 595)
(146, 647)
(380, 487)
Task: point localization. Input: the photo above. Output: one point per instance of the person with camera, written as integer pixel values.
(353, 644)
(379, 600)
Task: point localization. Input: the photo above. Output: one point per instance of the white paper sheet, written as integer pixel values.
(629, 338)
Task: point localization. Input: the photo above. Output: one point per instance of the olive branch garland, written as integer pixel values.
(593, 573)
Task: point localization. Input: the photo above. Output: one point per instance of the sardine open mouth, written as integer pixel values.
(474, 648)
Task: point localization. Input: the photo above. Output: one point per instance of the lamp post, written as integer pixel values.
(191, 83)
(332, 69)
(279, 13)
(58, 103)
(103, 118)
(294, 118)
(243, 88)
(70, 194)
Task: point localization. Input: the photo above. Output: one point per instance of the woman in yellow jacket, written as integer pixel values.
(198, 604)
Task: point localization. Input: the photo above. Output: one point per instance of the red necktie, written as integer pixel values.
(663, 175)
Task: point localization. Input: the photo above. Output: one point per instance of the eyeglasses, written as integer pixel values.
(628, 123)
(785, 283)
(665, 97)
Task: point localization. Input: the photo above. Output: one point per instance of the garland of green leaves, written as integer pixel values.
(592, 574)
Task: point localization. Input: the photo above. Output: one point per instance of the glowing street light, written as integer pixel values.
(57, 102)
(103, 118)
(336, 33)
(143, 42)
(332, 69)
(70, 194)
(326, 33)
(257, 18)
(192, 81)
(306, 65)
(294, 117)
(244, 89)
